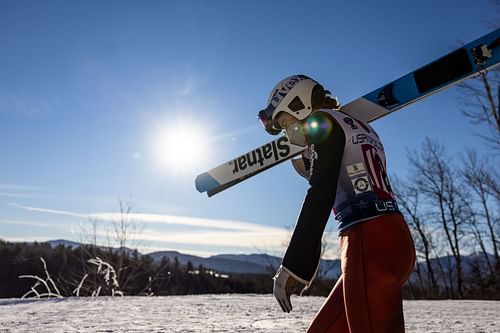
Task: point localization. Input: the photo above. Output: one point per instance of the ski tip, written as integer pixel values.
(204, 182)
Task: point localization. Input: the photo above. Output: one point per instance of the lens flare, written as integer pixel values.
(318, 127)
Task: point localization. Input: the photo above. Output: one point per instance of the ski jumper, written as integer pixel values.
(348, 174)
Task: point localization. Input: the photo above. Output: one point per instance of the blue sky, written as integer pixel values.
(89, 88)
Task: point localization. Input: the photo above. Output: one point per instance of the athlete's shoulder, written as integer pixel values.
(324, 127)
(354, 123)
(337, 117)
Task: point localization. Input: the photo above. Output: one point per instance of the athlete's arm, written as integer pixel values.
(303, 253)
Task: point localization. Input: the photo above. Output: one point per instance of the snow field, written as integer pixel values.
(221, 313)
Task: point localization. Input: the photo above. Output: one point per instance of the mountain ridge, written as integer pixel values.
(254, 263)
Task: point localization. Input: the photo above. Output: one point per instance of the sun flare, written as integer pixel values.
(181, 146)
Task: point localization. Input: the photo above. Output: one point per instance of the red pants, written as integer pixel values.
(377, 258)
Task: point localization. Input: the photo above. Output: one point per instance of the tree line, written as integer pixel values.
(75, 269)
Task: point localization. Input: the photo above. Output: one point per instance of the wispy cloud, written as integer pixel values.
(15, 195)
(159, 219)
(188, 82)
(22, 191)
(190, 234)
(236, 133)
(186, 221)
(187, 87)
(28, 239)
(254, 239)
(13, 104)
(30, 223)
(194, 231)
(17, 187)
(49, 211)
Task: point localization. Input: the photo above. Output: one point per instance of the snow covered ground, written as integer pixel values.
(220, 313)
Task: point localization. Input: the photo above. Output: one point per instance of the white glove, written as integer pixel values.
(283, 287)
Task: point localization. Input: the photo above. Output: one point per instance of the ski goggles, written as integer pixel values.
(266, 119)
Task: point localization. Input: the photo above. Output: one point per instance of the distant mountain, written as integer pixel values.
(242, 263)
(264, 263)
(222, 263)
(443, 265)
(267, 264)
(64, 242)
(270, 263)
(74, 245)
(226, 263)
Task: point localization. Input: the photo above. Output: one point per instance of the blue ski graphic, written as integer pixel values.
(449, 70)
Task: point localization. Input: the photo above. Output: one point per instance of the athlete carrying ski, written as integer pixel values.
(346, 168)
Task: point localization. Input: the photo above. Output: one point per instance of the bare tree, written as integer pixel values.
(481, 104)
(434, 177)
(122, 238)
(409, 200)
(441, 259)
(477, 231)
(89, 240)
(89, 233)
(493, 185)
(126, 236)
(477, 174)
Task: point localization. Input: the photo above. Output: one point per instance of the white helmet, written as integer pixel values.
(293, 95)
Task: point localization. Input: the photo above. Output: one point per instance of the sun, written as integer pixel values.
(181, 146)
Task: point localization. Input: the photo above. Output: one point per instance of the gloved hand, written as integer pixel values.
(284, 285)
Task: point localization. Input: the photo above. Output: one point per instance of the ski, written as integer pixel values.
(246, 166)
(459, 65)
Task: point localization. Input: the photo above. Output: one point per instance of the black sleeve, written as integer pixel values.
(303, 253)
